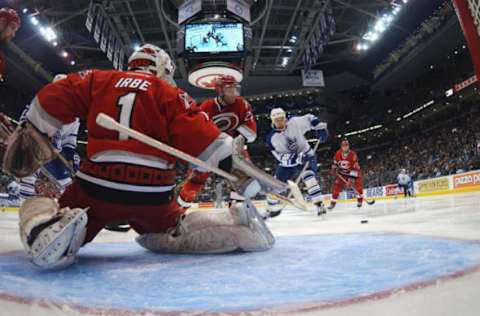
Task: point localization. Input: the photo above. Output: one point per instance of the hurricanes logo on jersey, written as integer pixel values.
(343, 164)
(226, 121)
(292, 144)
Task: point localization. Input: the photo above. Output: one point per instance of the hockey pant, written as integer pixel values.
(153, 217)
(339, 185)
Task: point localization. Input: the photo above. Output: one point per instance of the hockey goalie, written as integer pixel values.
(123, 179)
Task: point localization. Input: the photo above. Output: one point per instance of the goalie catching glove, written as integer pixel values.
(27, 139)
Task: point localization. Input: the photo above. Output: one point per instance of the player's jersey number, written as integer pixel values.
(126, 103)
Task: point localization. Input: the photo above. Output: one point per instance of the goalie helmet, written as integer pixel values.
(11, 16)
(152, 59)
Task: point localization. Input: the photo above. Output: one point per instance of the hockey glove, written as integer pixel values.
(322, 135)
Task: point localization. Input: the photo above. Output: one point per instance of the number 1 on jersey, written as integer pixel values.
(126, 104)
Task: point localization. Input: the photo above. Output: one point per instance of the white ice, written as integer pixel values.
(450, 216)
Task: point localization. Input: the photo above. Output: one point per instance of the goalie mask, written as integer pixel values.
(152, 59)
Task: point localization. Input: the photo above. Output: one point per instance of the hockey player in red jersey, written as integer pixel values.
(347, 171)
(9, 24)
(233, 115)
(123, 179)
(229, 111)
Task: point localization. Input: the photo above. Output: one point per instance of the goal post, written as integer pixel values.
(468, 12)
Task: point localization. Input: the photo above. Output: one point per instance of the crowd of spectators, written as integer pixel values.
(450, 147)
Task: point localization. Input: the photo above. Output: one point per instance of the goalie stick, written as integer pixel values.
(109, 123)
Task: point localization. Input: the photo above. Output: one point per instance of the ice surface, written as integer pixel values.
(316, 263)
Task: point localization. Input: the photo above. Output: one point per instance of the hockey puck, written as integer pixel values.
(364, 221)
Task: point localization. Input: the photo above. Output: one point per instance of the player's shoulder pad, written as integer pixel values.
(295, 118)
(207, 104)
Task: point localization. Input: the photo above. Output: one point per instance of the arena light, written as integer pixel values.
(48, 33)
(449, 93)
(34, 20)
(25, 11)
(136, 47)
(381, 25)
(426, 105)
(64, 54)
(364, 130)
(72, 63)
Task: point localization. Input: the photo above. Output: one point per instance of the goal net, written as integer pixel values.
(468, 12)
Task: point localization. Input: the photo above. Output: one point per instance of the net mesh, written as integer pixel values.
(474, 6)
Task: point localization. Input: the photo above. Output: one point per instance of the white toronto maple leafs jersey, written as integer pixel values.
(292, 140)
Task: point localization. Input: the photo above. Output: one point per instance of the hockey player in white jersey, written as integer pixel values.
(290, 147)
(404, 180)
(65, 142)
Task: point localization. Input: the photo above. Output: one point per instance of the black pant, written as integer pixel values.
(405, 189)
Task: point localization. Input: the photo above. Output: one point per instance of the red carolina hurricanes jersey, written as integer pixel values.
(138, 100)
(347, 163)
(232, 119)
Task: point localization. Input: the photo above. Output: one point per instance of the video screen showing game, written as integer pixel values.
(214, 38)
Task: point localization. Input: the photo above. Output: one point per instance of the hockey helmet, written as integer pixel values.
(277, 113)
(152, 59)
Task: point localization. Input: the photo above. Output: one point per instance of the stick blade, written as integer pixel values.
(297, 195)
(106, 121)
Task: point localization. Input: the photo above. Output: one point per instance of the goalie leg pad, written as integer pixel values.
(51, 236)
(311, 184)
(239, 228)
(27, 151)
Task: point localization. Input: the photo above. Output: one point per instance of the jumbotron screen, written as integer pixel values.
(214, 37)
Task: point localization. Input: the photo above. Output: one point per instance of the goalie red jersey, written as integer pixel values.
(124, 179)
(233, 119)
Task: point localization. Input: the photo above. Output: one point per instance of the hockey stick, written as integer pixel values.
(355, 190)
(297, 181)
(109, 123)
